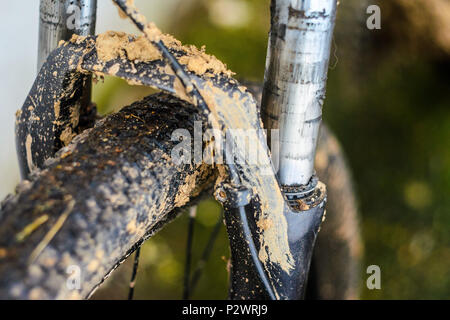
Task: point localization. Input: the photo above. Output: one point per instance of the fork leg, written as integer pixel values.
(294, 91)
(295, 80)
(59, 20)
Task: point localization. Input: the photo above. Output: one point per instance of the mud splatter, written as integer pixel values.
(111, 45)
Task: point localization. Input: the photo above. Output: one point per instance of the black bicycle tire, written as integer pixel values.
(112, 176)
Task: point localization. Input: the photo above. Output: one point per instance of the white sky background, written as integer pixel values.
(19, 22)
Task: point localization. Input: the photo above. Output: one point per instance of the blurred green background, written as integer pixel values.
(388, 100)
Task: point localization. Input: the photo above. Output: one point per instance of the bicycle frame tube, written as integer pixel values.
(295, 79)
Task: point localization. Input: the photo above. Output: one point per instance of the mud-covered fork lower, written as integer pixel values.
(249, 278)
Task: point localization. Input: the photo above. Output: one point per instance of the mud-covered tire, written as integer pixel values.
(91, 205)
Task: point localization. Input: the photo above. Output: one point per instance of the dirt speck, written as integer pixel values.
(131, 227)
(141, 49)
(93, 265)
(111, 44)
(264, 224)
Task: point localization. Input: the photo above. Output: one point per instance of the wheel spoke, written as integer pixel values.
(134, 273)
(187, 266)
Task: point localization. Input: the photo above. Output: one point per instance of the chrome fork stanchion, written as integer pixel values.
(295, 80)
(294, 91)
(60, 19)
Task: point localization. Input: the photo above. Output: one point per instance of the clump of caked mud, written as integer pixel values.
(112, 45)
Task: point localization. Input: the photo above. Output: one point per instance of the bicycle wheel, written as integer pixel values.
(96, 201)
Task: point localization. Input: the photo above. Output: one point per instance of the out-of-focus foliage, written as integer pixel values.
(161, 267)
(388, 100)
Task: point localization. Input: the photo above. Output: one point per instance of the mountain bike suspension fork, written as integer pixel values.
(296, 72)
(294, 91)
(60, 19)
(295, 80)
(250, 277)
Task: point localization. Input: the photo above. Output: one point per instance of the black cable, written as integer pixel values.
(134, 273)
